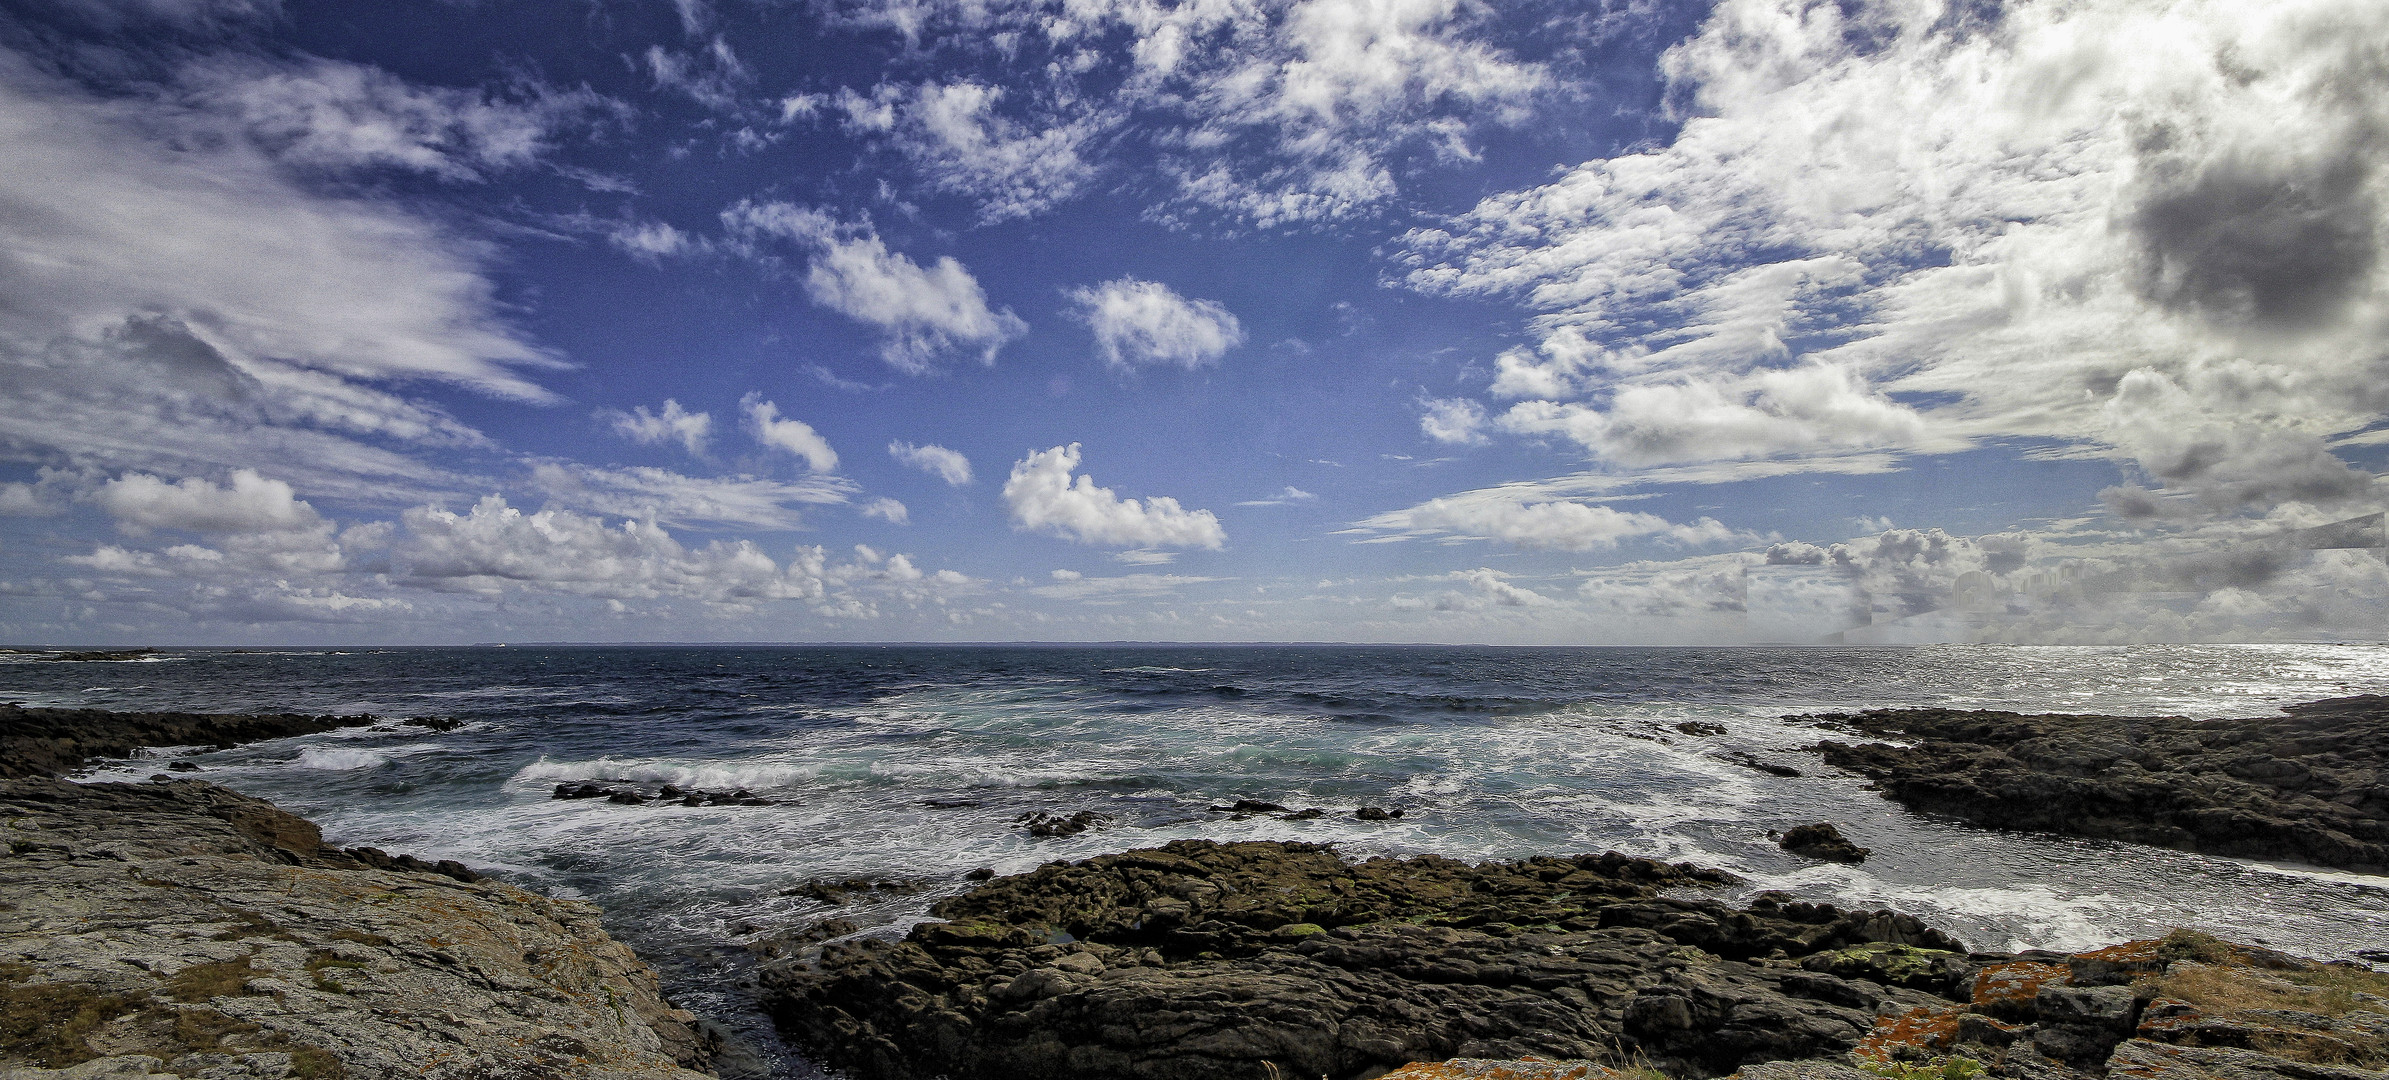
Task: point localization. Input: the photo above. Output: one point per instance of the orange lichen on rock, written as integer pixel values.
(1898, 1037)
(1504, 1069)
(2007, 990)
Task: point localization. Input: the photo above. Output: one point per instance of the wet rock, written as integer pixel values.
(1310, 814)
(1771, 768)
(1820, 841)
(1045, 825)
(1698, 727)
(1377, 813)
(842, 890)
(182, 766)
(2302, 788)
(1249, 806)
(984, 873)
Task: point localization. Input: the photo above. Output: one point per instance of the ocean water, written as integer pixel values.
(916, 763)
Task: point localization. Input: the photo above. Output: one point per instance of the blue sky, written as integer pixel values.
(1379, 320)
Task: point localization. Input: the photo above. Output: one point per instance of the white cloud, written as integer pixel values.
(1102, 589)
(1271, 111)
(1044, 495)
(1457, 421)
(1882, 228)
(674, 499)
(963, 144)
(947, 465)
(178, 303)
(495, 548)
(711, 76)
(888, 510)
(1557, 525)
(1292, 494)
(334, 114)
(1145, 324)
(654, 241)
(249, 504)
(924, 312)
(794, 436)
(672, 424)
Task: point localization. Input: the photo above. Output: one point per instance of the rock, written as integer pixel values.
(1311, 814)
(984, 873)
(1200, 959)
(1820, 841)
(182, 929)
(1249, 806)
(1771, 768)
(841, 890)
(1050, 825)
(1376, 813)
(1697, 727)
(181, 766)
(2102, 1008)
(49, 742)
(1892, 963)
(2302, 788)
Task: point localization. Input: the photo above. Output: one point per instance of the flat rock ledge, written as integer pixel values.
(181, 929)
(2311, 787)
(1283, 961)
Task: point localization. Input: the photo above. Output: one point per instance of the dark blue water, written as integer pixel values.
(916, 762)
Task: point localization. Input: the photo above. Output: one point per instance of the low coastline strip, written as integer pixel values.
(2310, 787)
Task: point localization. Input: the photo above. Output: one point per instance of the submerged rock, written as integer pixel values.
(2302, 788)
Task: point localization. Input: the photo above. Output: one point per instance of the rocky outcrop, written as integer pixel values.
(178, 928)
(2184, 1007)
(49, 742)
(1258, 960)
(2311, 787)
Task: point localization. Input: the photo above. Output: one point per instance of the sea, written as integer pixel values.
(919, 763)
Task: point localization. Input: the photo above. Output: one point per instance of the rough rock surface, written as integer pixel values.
(47, 742)
(183, 929)
(1258, 960)
(2310, 787)
(2184, 1007)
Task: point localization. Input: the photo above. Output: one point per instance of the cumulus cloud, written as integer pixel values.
(1044, 496)
(1882, 228)
(494, 548)
(888, 510)
(793, 436)
(251, 503)
(947, 465)
(1554, 525)
(1456, 421)
(923, 312)
(672, 424)
(1147, 324)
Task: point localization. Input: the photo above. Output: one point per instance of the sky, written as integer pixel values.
(1546, 321)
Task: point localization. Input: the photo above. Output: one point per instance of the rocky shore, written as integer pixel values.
(177, 928)
(1274, 961)
(47, 742)
(2311, 787)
